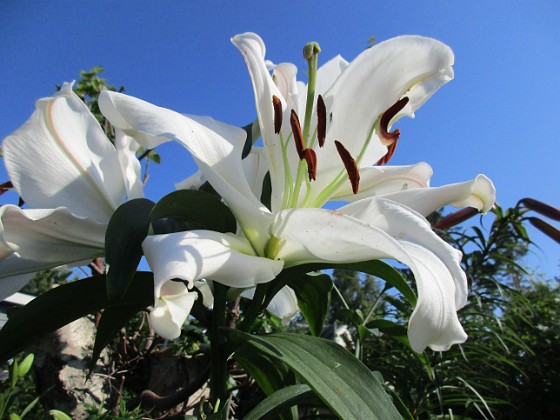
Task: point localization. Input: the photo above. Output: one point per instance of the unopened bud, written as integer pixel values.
(456, 218)
(311, 49)
(545, 228)
(542, 208)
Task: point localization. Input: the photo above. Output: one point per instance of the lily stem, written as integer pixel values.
(254, 308)
(218, 377)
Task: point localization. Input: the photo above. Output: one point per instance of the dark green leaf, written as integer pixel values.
(337, 377)
(350, 315)
(123, 244)
(314, 296)
(54, 309)
(266, 194)
(269, 374)
(195, 209)
(275, 404)
(253, 133)
(114, 317)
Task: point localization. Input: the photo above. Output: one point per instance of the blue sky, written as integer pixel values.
(498, 117)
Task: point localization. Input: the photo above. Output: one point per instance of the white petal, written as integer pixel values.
(61, 157)
(404, 66)
(193, 182)
(312, 235)
(196, 255)
(205, 290)
(478, 193)
(173, 304)
(381, 180)
(253, 49)
(126, 148)
(434, 321)
(216, 147)
(284, 304)
(11, 285)
(32, 240)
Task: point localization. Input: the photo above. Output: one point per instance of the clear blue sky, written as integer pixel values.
(499, 116)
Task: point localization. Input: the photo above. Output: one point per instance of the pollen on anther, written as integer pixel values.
(321, 121)
(350, 165)
(298, 136)
(277, 113)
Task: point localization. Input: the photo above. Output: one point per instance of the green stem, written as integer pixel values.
(254, 308)
(218, 377)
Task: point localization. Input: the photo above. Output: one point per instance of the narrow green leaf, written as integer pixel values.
(195, 209)
(354, 317)
(127, 229)
(30, 407)
(266, 193)
(275, 404)
(314, 296)
(54, 309)
(344, 383)
(118, 314)
(14, 416)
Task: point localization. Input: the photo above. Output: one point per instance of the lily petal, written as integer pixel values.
(32, 240)
(253, 49)
(410, 66)
(61, 157)
(216, 147)
(173, 305)
(381, 180)
(313, 235)
(284, 304)
(199, 254)
(479, 193)
(126, 148)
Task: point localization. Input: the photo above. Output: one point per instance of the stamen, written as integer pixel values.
(277, 113)
(390, 151)
(311, 158)
(350, 165)
(6, 186)
(388, 138)
(298, 136)
(321, 121)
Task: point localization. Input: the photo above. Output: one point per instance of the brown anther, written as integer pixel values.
(350, 165)
(311, 158)
(388, 138)
(456, 218)
(390, 151)
(277, 113)
(321, 121)
(298, 136)
(6, 186)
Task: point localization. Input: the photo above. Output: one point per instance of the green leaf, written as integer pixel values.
(374, 267)
(25, 365)
(118, 314)
(195, 209)
(344, 383)
(253, 133)
(275, 404)
(397, 331)
(127, 229)
(54, 309)
(14, 416)
(30, 407)
(353, 316)
(269, 374)
(266, 193)
(314, 296)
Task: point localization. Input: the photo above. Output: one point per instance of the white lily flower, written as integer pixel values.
(359, 102)
(72, 179)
